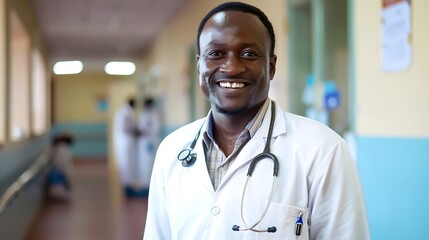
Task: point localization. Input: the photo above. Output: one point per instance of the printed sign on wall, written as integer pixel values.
(396, 35)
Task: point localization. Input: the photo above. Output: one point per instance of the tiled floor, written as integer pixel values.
(96, 209)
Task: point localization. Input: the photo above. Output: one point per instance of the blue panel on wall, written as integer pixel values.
(90, 139)
(395, 179)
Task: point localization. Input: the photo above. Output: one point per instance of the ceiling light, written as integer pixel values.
(120, 68)
(68, 67)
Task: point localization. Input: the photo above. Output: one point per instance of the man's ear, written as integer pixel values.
(273, 61)
(198, 64)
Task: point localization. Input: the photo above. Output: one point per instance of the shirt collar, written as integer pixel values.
(256, 122)
(251, 127)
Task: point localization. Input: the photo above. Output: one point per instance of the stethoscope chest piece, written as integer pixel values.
(187, 157)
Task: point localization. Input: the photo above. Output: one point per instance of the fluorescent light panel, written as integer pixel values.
(68, 67)
(120, 68)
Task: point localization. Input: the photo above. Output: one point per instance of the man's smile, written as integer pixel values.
(233, 85)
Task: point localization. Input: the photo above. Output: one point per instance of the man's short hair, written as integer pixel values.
(242, 7)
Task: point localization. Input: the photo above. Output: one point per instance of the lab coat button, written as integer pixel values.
(215, 211)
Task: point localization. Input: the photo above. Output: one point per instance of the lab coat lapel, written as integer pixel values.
(201, 166)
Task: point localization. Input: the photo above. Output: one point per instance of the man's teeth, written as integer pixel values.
(231, 85)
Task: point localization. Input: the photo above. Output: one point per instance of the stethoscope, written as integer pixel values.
(188, 157)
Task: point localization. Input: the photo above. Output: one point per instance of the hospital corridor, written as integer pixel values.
(94, 209)
(120, 116)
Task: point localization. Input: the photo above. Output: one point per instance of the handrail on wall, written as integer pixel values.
(25, 178)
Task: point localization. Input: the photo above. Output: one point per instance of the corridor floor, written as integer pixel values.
(96, 209)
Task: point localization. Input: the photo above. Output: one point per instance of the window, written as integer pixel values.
(39, 86)
(19, 101)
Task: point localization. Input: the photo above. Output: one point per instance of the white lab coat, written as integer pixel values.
(317, 177)
(150, 125)
(125, 144)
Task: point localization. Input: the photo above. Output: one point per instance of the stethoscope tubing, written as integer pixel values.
(270, 198)
(266, 154)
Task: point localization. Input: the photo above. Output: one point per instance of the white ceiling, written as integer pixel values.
(102, 30)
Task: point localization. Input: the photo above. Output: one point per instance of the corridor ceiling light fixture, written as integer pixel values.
(68, 67)
(120, 68)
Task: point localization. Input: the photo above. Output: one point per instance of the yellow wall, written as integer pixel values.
(171, 54)
(75, 96)
(391, 104)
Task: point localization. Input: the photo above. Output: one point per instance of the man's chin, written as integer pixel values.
(231, 111)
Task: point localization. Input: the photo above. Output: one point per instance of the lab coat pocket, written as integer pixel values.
(290, 222)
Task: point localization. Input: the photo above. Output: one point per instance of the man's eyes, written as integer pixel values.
(249, 54)
(215, 54)
(244, 54)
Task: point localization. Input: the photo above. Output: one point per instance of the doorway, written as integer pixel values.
(319, 57)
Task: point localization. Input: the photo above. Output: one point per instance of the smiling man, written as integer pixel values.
(249, 170)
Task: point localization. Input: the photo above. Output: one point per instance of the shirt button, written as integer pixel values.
(215, 211)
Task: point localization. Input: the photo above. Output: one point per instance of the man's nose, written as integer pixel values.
(233, 65)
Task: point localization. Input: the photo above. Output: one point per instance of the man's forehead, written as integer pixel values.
(219, 18)
(232, 17)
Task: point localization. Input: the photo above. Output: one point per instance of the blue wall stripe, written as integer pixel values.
(90, 139)
(395, 178)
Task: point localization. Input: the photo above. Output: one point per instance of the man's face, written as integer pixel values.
(234, 63)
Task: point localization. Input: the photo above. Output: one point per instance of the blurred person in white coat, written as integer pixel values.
(149, 127)
(125, 138)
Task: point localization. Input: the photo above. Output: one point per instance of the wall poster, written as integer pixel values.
(396, 35)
